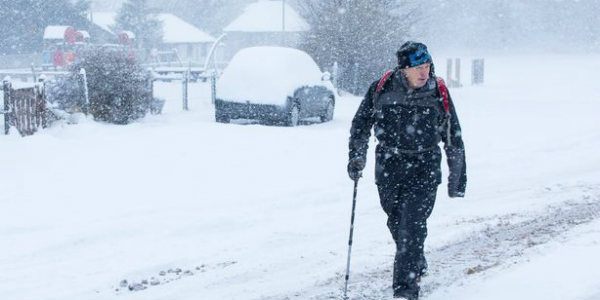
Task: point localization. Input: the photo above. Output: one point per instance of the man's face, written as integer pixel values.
(417, 76)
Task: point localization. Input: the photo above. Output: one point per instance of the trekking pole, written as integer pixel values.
(350, 240)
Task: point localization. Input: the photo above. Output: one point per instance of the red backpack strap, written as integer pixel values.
(444, 92)
(378, 90)
(382, 81)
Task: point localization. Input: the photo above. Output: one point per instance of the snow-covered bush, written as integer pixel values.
(65, 93)
(119, 88)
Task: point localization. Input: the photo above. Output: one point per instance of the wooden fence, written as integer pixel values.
(24, 108)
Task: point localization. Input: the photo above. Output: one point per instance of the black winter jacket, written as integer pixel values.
(409, 124)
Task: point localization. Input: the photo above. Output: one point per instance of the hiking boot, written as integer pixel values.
(406, 294)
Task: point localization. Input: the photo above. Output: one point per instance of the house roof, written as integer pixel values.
(84, 33)
(266, 16)
(175, 30)
(55, 32)
(104, 20)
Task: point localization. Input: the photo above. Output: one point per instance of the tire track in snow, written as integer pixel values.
(496, 245)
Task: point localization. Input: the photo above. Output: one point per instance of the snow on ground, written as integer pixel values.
(561, 269)
(255, 211)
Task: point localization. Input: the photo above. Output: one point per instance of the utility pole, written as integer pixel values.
(91, 13)
(282, 22)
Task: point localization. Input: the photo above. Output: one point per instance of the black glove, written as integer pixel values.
(355, 167)
(455, 194)
(456, 189)
(457, 179)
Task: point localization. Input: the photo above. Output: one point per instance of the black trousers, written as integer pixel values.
(408, 209)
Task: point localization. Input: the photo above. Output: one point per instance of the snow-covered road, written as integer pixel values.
(505, 241)
(256, 211)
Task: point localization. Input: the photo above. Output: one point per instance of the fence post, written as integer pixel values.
(28, 113)
(33, 72)
(477, 68)
(449, 72)
(84, 86)
(213, 86)
(334, 73)
(150, 96)
(457, 66)
(6, 88)
(185, 89)
(42, 101)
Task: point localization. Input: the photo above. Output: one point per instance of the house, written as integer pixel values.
(262, 24)
(62, 44)
(189, 42)
(57, 33)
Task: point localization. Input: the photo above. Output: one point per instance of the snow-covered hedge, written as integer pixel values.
(119, 87)
(64, 93)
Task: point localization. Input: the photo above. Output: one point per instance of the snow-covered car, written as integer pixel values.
(274, 84)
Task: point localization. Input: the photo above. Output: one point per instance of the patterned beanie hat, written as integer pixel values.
(412, 54)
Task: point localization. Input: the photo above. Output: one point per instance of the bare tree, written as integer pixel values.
(138, 16)
(362, 36)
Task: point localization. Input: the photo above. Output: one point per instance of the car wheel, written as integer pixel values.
(222, 116)
(293, 115)
(328, 114)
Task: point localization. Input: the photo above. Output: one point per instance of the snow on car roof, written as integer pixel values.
(268, 75)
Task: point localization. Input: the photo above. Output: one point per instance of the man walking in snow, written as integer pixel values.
(411, 112)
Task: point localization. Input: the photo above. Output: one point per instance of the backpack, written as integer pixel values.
(442, 88)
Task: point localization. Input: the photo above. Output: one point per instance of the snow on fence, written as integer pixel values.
(25, 102)
(24, 107)
(187, 76)
(453, 72)
(453, 80)
(477, 70)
